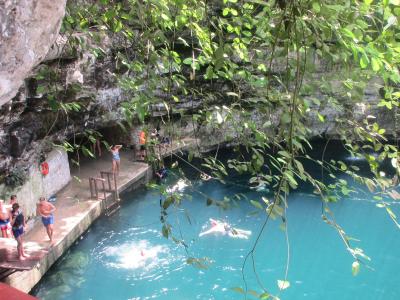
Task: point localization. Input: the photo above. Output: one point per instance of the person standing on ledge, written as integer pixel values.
(4, 219)
(115, 158)
(18, 224)
(45, 209)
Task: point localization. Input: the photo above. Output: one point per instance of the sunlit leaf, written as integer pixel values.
(283, 284)
(355, 268)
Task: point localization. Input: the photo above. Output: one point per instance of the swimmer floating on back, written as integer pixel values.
(205, 176)
(225, 228)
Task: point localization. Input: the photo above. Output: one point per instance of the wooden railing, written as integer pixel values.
(94, 190)
(99, 187)
(112, 186)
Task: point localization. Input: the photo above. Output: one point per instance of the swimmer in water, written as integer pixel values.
(205, 177)
(224, 228)
(261, 185)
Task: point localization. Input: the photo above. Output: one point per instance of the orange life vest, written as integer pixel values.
(142, 138)
(44, 168)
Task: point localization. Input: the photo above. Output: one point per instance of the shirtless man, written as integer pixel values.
(46, 209)
(5, 215)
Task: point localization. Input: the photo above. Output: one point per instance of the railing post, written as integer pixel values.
(95, 188)
(115, 188)
(104, 191)
(91, 188)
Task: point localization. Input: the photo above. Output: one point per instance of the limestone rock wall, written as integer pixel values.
(28, 30)
(38, 185)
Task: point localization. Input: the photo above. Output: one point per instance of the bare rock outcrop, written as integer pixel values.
(28, 29)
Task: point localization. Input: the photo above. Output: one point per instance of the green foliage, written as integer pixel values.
(15, 177)
(282, 61)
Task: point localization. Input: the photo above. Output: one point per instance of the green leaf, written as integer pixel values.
(188, 61)
(256, 204)
(283, 284)
(253, 293)
(370, 184)
(299, 166)
(285, 118)
(375, 64)
(316, 7)
(264, 296)
(262, 68)
(238, 290)
(391, 213)
(364, 61)
(392, 20)
(220, 120)
(165, 231)
(190, 156)
(118, 26)
(209, 72)
(355, 268)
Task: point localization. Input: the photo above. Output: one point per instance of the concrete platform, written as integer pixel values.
(11, 293)
(75, 213)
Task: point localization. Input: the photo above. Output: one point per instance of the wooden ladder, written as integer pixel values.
(99, 187)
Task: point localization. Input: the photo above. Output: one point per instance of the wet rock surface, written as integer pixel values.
(29, 28)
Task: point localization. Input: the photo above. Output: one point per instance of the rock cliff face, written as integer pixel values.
(28, 30)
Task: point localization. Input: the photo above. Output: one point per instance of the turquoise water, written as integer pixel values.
(126, 257)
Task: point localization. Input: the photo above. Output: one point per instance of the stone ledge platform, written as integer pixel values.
(74, 215)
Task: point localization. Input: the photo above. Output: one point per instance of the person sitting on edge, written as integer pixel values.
(45, 209)
(115, 158)
(5, 215)
(154, 134)
(18, 224)
(162, 172)
(165, 142)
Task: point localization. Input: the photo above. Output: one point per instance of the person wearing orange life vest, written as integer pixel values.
(142, 143)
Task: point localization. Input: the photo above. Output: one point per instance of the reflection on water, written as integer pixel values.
(178, 187)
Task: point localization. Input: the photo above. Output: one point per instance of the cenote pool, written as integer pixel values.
(126, 257)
